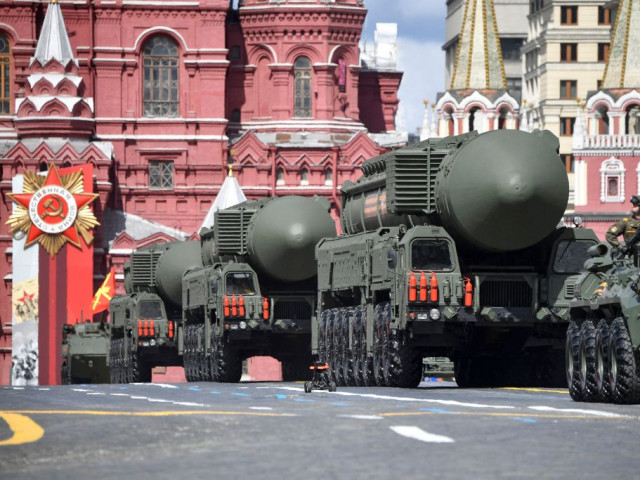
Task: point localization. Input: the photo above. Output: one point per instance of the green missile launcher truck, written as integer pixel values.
(452, 248)
(273, 240)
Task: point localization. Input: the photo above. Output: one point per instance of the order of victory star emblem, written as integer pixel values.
(53, 210)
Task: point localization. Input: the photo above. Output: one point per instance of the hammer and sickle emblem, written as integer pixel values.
(50, 210)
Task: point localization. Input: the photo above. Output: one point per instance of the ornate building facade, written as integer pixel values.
(160, 96)
(606, 140)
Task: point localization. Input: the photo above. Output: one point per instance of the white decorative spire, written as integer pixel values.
(623, 66)
(479, 62)
(230, 194)
(426, 126)
(54, 40)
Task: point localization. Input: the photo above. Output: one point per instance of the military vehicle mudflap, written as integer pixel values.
(602, 364)
(394, 360)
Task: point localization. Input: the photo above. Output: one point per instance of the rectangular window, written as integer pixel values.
(160, 174)
(599, 84)
(569, 52)
(5, 75)
(568, 161)
(604, 16)
(603, 52)
(566, 126)
(568, 88)
(569, 15)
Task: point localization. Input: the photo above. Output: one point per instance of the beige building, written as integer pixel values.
(563, 59)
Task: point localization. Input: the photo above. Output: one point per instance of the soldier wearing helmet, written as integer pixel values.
(627, 227)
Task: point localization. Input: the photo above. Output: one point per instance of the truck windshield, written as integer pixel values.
(240, 284)
(431, 255)
(150, 310)
(571, 255)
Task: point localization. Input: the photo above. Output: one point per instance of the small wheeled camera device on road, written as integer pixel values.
(321, 378)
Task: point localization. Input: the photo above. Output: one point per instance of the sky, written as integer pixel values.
(421, 34)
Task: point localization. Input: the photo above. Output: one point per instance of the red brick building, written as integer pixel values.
(161, 95)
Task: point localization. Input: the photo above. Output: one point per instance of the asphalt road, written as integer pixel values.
(253, 431)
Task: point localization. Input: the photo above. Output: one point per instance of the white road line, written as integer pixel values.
(44, 389)
(161, 385)
(81, 390)
(95, 393)
(451, 403)
(119, 394)
(362, 417)
(419, 434)
(598, 413)
(260, 408)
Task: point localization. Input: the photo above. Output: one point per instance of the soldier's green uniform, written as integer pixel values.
(626, 227)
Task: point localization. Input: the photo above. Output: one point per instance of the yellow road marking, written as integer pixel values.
(144, 414)
(512, 415)
(545, 390)
(24, 429)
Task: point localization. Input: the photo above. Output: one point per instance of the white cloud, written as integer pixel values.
(410, 9)
(423, 64)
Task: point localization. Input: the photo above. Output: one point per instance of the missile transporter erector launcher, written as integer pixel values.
(146, 322)
(451, 248)
(273, 241)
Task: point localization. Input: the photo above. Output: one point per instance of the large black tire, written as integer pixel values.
(65, 375)
(572, 361)
(229, 364)
(187, 354)
(587, 374)
(348, 372)
(366, 360)
(463, 372)
(357, 359)
(603, 384)
(214, 357)
(379, 346)
(339, 348)
(407, 364)
(624, 379)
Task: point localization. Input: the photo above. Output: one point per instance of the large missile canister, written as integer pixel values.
(174, 261)
(503, 190)
(500, 191)
(282, 236)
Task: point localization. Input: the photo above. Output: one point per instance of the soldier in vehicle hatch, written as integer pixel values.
(626, 227)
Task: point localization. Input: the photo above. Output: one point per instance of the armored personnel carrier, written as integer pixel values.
(452, 248)
(84, 353)
(603, 337)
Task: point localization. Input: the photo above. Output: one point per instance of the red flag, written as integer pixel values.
(105, 293)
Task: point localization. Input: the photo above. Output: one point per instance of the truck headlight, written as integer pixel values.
(434, 314)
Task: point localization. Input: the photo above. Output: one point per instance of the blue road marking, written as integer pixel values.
(123, 387)
(303, 400)
(214, 392)
(280, 396)
(339, 404)
(435, 410)
(195, 389)
(526, 420)
(241, 394)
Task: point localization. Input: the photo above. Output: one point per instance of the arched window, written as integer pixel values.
(633, 120)
(302, 94)
(503, 116)
(342, 75)
(602, 117)
(328, 177)
(280, 177)
(160, 77)
(5, 75)
(304, 177)
(472, 118)
(448, 115)
(612, 181)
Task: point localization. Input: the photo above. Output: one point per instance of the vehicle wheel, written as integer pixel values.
(230, 364)
(332, 386)
(338, 347)
(214, 357)
(378, 341)
(624, 379)
(572, 361)
(602, 362)
(463, 372)
(390, 346)
(587, 374)
(307, 387)
(65, 377)
(408, 362)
